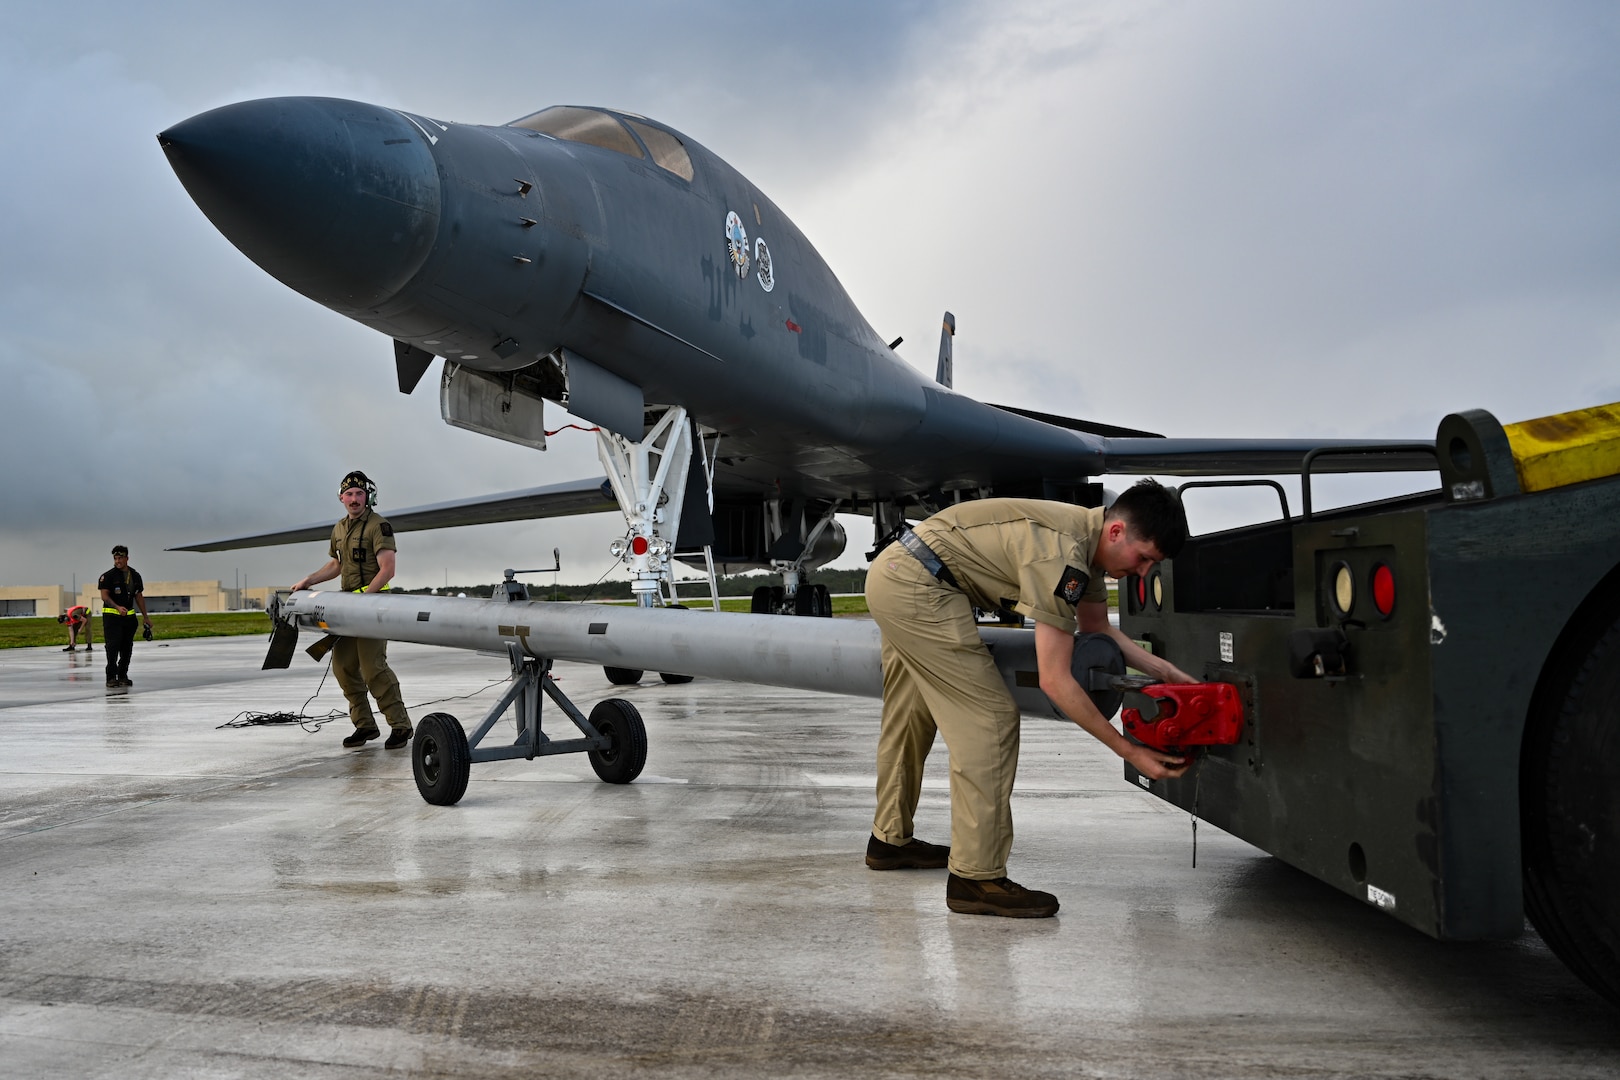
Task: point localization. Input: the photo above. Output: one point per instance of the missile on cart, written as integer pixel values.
(837, 656)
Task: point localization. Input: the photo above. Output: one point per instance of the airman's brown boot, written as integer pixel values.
(998, 896)
(912, 855)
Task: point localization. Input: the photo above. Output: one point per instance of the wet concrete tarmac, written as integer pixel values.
(181, 899)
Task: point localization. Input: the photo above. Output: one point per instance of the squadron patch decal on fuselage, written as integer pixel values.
(737, 243)
(762, 256)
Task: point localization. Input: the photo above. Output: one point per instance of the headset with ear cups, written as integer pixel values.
(358, 479)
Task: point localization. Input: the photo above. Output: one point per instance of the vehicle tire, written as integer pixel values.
(622, 761)
(804, 601)
(1569, 806)
(760, 602)
(823, 601)
(622, 676)
(440, 759)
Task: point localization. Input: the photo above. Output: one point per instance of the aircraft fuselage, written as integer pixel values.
(494, 247)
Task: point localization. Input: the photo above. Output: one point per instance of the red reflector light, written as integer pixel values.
(1141, 594)
(1383, 589)
(638, 546)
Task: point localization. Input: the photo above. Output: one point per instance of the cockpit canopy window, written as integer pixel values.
(599, 129)
(665, 149)
(582, 126)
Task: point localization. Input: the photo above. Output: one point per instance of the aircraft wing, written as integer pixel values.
(1260, 457)
(553, 500)
(1128, 450)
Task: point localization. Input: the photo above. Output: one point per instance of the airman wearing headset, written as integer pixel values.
(362, 553)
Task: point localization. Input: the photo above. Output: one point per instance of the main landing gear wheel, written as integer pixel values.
(440, 759)
(1569, 807)
(760, 602)
(626, 752)
(813, 600)
(622, 676)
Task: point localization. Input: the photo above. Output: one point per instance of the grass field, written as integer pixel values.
(25, 633)
(842, 605)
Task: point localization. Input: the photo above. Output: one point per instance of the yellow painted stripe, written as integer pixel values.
(1568, 448)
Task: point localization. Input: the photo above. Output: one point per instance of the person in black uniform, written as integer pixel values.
(122, 591)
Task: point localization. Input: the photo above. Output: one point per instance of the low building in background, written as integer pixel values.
(162, 598)
(32, 601)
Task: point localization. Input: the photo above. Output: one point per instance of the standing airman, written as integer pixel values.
(362, 554)
(122, 591)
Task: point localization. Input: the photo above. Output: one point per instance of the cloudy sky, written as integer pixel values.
(1243, 218)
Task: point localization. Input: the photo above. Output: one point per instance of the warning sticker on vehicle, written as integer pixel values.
(1380, 898)
(1226, 648)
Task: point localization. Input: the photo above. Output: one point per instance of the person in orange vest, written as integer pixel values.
(77, 619)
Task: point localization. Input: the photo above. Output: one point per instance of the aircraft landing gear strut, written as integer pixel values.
(648, 478)
(442, 752)
(794, 596)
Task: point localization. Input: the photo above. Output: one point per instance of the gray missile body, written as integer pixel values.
(837, 656)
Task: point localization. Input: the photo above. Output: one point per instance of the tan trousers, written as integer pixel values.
(361, 664)
(937, 674)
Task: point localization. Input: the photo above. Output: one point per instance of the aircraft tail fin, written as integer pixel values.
(943, 375)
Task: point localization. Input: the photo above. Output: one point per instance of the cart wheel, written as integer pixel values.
(440, 759)
(622, 676)
(1569, 807)
(626, 753)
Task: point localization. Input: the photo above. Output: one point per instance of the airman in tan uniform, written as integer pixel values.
(362, 554)
(1046, 561)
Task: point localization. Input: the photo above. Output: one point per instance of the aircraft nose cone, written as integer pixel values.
(337, 199)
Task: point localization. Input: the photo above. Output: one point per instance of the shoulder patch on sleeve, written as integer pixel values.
(1072, 586)
(386, 529)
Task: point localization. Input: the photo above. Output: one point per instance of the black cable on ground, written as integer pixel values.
(249, 718)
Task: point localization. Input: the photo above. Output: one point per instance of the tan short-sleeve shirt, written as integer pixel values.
(1030, 555)
(355, 543)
